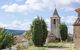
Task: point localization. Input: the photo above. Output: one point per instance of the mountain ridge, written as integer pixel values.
(16, 32)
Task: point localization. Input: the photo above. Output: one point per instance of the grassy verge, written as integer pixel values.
(37, 48)
(55, 44)
(51, 45)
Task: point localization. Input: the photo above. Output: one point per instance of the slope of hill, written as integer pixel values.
(16, 32)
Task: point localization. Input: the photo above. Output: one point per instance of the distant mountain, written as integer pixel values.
(16, 32)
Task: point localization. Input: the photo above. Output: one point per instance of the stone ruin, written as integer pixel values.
(76, 30)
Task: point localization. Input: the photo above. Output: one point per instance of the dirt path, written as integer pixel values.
(57, 48)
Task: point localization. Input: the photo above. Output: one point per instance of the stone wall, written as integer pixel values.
(77, 37)
(77, 31)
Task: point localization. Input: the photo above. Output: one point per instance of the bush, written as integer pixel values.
(6, 39)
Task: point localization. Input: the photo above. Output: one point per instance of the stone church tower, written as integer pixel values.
(55, 21)
(77, 31)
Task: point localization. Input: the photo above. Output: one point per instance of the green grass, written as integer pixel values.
(55, 44)
(36, 48)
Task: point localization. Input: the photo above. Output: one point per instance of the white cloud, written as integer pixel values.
(19, 25)
(48, 23)
(32, 5)
(10, 8)
(77, 0)
(2, 25)
(69, 20)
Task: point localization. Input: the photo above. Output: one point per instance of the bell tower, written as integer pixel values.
(55, 22)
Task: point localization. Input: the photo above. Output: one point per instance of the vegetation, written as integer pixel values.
(37, 48)
(63, 32)
(6, 39)
(55, 44)
(20, 47)
(28, 36)
(50, 46)
(39, 32)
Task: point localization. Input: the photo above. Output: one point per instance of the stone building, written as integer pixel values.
(55, 21)
(77, 31)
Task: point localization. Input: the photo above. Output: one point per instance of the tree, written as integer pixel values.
(63, 31)
(39, 31)
(6, 38)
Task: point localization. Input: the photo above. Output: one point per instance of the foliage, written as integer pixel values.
(18, 47)
(6, 39)
(28, 36)
(63, 32)
(39, 31)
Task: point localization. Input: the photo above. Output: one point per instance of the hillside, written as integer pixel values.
(16, 32)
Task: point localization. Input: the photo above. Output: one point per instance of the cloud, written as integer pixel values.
(25, 25)
(48, 23)
(10, 8)
(2, 25)
(77, 0)
(36, 5)
(18, 25)
(69, 20)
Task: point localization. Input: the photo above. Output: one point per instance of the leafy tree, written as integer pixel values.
(39, 31)
(6, 38)
(63, 31)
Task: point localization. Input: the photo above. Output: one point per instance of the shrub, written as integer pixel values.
(6, 38)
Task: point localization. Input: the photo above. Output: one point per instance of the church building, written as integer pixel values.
(55, 22)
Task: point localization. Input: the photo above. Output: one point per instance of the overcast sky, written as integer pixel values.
(19, 14)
